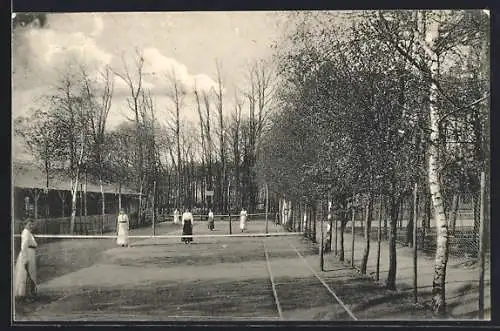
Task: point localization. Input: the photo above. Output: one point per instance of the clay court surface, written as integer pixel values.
(211, 279)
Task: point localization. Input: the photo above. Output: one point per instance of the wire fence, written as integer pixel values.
(348, 243)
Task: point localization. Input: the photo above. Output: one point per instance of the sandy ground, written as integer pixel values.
(462, 279)
(213, 278)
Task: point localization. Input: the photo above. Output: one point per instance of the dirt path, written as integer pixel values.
(462, 281)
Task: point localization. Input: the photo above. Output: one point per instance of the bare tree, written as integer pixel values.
(134, 81)
(259, 95)
(70, 119)
(223, 203)
(176, 94)
(235, 137)
(97, 100)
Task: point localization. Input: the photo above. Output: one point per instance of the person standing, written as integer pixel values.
(176, 216)
(187, 227)
(25, 278)
(123, 227)
(243, 219)
(211, 222)
(328, 233)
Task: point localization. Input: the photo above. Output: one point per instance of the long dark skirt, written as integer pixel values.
(187, 232)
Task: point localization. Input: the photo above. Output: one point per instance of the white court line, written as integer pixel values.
(324, 283)
(268, 264)
(235, 216)
(224, 317)
(104, 317)
(256, 235)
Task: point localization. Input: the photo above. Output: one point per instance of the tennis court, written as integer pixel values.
(241, 277)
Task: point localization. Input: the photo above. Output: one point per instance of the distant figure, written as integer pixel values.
(328, 241)
(25, 278)
(123, 227)
(243, 219)
(187, 227)
(304, 222)
(176, 216)
(211, 222)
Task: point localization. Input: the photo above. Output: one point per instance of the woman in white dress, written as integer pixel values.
(25, 278)
(122, 229)
(211, 222)
(243, 219)
(176, 216)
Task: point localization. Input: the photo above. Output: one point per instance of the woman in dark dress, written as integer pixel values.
(187, 227)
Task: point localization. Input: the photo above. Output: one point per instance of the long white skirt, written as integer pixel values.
(122, 238)
(21, 275)
(243, 223)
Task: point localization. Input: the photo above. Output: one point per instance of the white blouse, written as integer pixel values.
(187, 216)
(27, 243)
(122, 218)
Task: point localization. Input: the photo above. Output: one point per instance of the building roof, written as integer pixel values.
(29, 176)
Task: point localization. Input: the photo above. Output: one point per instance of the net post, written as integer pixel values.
(353, 229)
(267, 204)
(321, 252)
(153, 222)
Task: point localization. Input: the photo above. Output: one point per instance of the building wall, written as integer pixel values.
(51, 205)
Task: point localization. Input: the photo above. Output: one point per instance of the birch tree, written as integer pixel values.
(97, 97)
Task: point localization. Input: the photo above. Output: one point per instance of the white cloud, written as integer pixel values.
(45, 53)
(159, 67)
(40, 56)
(60, 48)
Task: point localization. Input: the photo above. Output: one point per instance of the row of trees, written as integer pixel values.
(168, 163)
(371, 108)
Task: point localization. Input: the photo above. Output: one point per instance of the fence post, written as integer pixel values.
(482, 237)
(267, 206)
(153, 223)
(352, 230)
(321, 259)
(379, 236)
(415, 220)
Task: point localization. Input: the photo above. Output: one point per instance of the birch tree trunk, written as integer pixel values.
(119, 196)
(74, 193)
(441, 260)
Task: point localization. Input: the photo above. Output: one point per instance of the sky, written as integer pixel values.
(187, 42)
